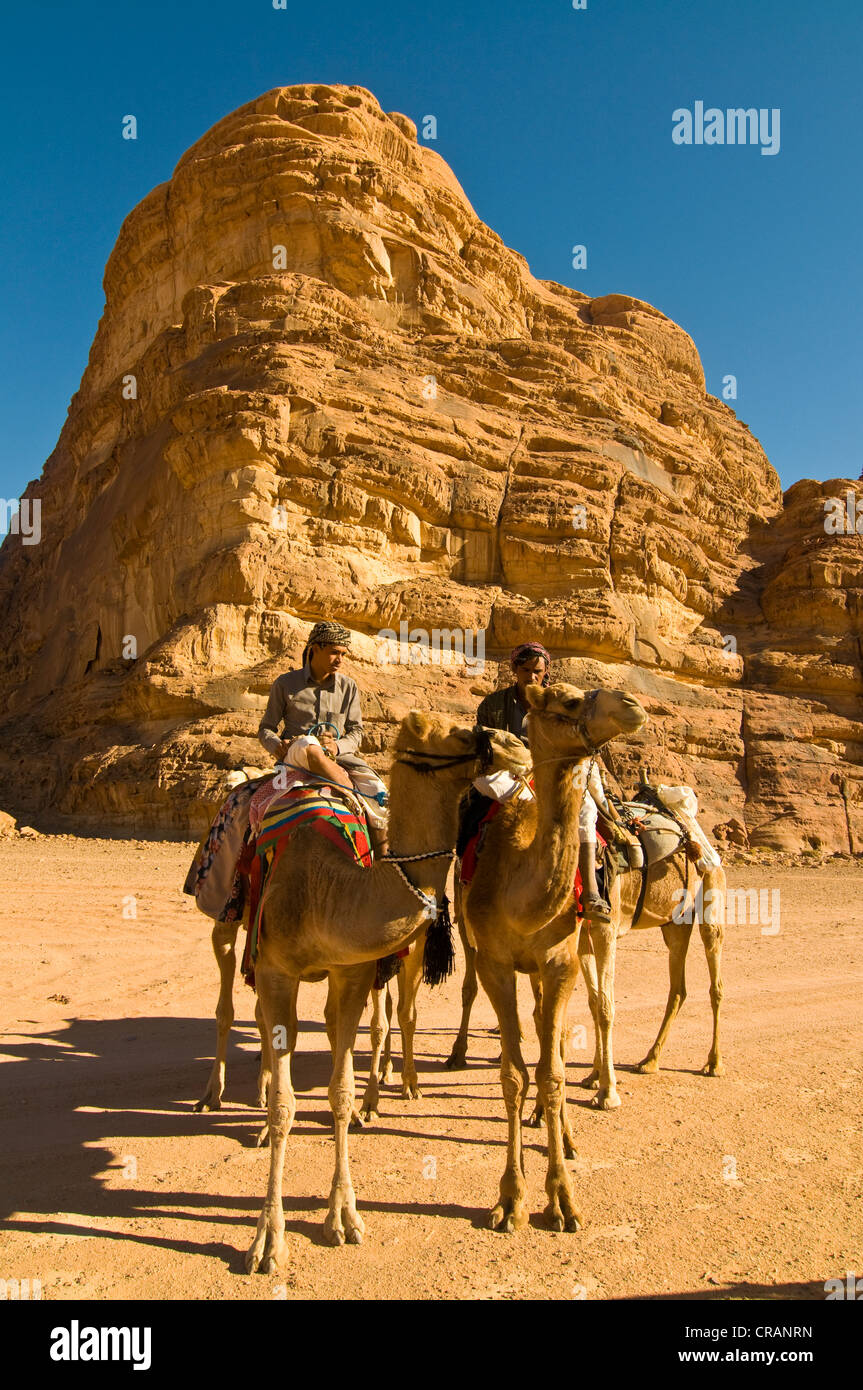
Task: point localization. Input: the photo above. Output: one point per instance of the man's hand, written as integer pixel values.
(329, 743)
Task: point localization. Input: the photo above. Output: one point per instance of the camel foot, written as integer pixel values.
(357, 1120)
(268, 1252)
(509, 1215)
(263, 1091)
(411, 1091)
(606, 1098)
(591, 1081)
(569, 1149)
(344, 1225)
(386, 1074)
(535, 1120)
(208, 1102)
(371, 1099)
(714, 1067)
(649, 1066)
(369, 1113)
(561, 1212)
(457, 1059)
(263, 1137)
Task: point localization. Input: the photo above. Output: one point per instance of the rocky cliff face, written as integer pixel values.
(321, 386)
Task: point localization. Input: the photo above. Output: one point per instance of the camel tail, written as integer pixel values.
(438, 952)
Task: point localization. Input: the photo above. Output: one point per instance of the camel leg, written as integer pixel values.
(378, 1029)
(677, 936)
(387, 1059)
(278, 997)
(331, 1024)
(224, 943)
(458, 1057)
(561, 1212)
(587, 961)
(712, 935)
(409, 979)
(569, 1147)
(604, 938)
(534, 1120)
(498, 980)
(350, 988)
(265, 1073)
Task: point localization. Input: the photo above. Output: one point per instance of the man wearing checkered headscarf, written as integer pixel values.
(318, 694)
(313, 719)
(327, 635)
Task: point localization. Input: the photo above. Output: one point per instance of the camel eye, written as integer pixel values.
(572, 703)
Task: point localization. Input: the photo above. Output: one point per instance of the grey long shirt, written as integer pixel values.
(297, 701)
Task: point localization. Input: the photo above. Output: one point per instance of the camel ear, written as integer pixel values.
(536, 696)
(416, 723)
(462, 732)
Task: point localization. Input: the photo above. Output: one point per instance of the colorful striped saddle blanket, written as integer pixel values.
(299, 806)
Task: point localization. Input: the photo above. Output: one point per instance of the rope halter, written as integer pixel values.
(483, 751)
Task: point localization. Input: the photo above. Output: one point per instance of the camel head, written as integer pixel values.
(567, 720)
(434, 745)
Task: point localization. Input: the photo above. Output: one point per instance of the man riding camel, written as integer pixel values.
(507, 709)
(317, 708)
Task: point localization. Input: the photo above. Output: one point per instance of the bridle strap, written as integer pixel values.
(581, 726)
(591, 749)
(421, 761)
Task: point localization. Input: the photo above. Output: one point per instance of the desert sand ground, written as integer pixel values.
(112, 1187)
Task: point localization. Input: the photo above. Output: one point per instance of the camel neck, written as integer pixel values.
(543, 887)
(423, 812)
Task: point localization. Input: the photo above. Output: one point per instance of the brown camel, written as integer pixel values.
(520, 915)
(325, 915)
(663, 904)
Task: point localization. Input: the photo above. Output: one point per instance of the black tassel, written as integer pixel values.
(387, 967)
(439, 953)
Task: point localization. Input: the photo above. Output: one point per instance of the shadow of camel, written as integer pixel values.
(67, 1128)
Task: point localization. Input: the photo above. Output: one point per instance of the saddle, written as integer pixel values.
(336, 820)
(658, 833)
(661, 836)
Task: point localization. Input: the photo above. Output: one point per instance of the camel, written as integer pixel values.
(324, 915)
(662, 903)
(520, 914)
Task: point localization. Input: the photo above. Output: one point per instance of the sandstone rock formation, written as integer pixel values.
(320, 385)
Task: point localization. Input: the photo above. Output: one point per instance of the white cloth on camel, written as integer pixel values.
(684, 803)
(502, 786)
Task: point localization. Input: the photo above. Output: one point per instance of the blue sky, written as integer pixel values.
(557, 123)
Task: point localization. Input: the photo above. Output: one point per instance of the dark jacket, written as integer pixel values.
(501, 710)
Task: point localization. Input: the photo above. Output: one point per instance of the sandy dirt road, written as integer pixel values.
(746, 1186)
